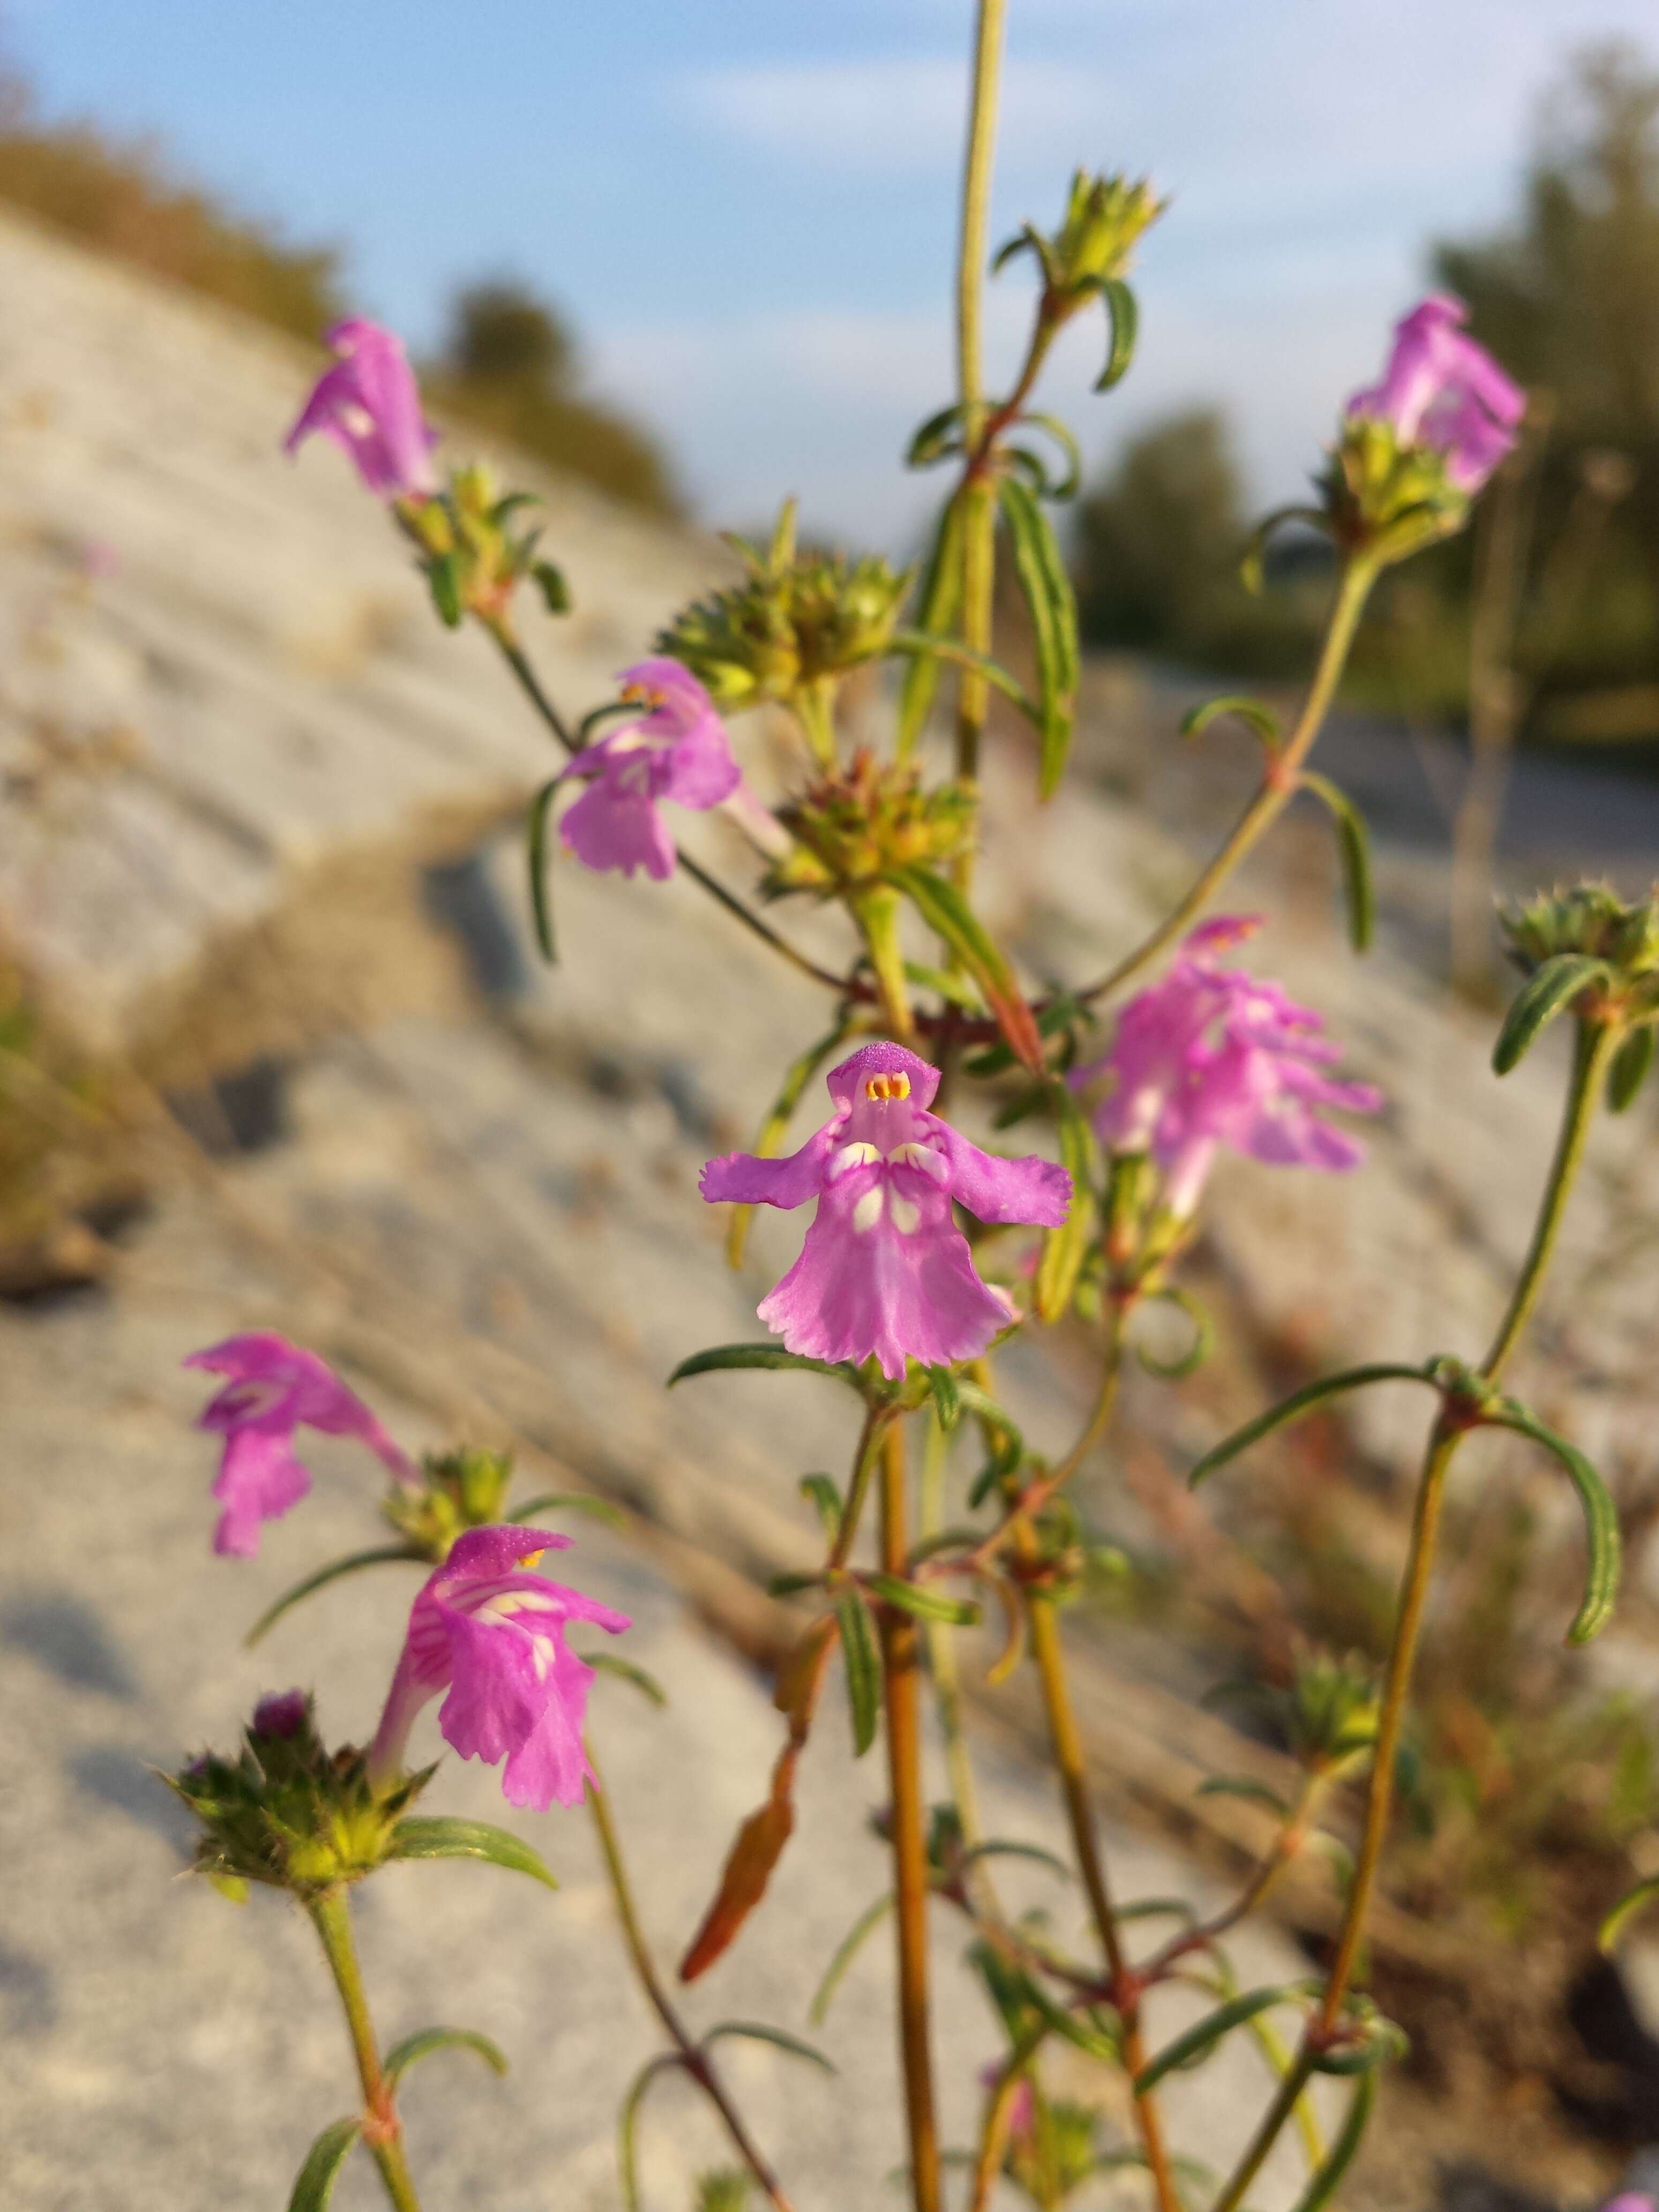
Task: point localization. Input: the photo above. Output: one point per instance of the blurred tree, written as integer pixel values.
(509, 365)
(1157, 553)
(1568, 297)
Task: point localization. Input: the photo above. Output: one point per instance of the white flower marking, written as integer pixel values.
(850, 1157)
(867, 1212)
(907, 1215)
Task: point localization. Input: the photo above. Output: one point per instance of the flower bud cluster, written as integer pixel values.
(1330, 1711)
(1590, 919)
(463, 1489)
(1104, 219)
(797, 621)
(851, 827)
(472, 559)
(288, 1812)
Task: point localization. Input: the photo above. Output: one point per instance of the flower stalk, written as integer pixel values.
(901, 1674)
(331, 1916)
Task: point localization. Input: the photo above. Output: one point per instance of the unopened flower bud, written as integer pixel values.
(1587, 918)
(463, 1489)
(850, 827)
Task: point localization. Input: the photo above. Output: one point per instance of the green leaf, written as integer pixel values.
(1061, 435)
(449, 1839)
(774, 1127)
(443, 579)
(1124, 318)
(402, 2055)
(821, 1490)
(1261, 718)
(353, 1562)
(626, 1670)
(756, 2031)
(1322, 2185)
(1643, 1893)
(846, 1951)
(931, 441)
(939, 600)
(1240, 1785)
(863, 1660)
(955, 990)
(932, 644)
(950, 918)
(1249, 565)
(722, 1357)
(1353, 841)
(573, 1501)
(317, 2177)
(541, 890)
(628, 2121)
(1189, 1362)
(998, 1850)
(1066, 1248)
(555, 592)
(1299, 1402)
(1084, 2034)
(793, 1585)
(1630, 1065)
(921, 1602)
(1601, 1519)
(1540, 999)
(1052, 603)
(1201, 2038)
(1159, 1908)
(947, 1398)
(1026, 239)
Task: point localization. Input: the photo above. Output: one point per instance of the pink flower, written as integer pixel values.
(276, 1387)
(1211, 1057)
(677, 750)
(492, 1634)
(369, 403)
(885, 1273)
(1443, 391)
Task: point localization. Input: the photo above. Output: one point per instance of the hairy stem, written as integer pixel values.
(696, 2062)
(978, 511)
(942, 1651)
(1067, 1742)
(330, 1915)
(901, 1669)
(1594, 1046)
(1278, 787)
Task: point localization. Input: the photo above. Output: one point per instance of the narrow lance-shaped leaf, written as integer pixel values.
(754, 2031)
(932, 441)
(846, 1951)
(857, 1643)
(821, 1490)
(921, 1601)
(1630, 1066)
(1540, 999)
(1203, 1340)
(1299, 1402)
(722, 1357)
(1633, 1901)
(450, 1838)
(1601, 1520)
(1052, 604)
(314, 2185)
(1261, 718)
(1062, 436)
(948, 915)
(570, 1501)
(541, 889)
(938, 600)
(1353, 843)
(946, 1397)
(413, 2048)
(629, 1671)
(1123, 318)
(628, 2124)
(1249, 567)
(774, 1127)
(1323, 2184)
(354, 1563)
(1066, 1248)
(1204, 2035)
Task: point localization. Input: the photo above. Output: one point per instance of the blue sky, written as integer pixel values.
(748, 209)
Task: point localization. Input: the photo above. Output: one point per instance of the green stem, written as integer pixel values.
(979, 506)
(814, 710)
(692, 2058)
(877, 912)
(942, 1651)
(1594, 1048)
(1278, 784)
(902, 1674)
(330, 1915)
